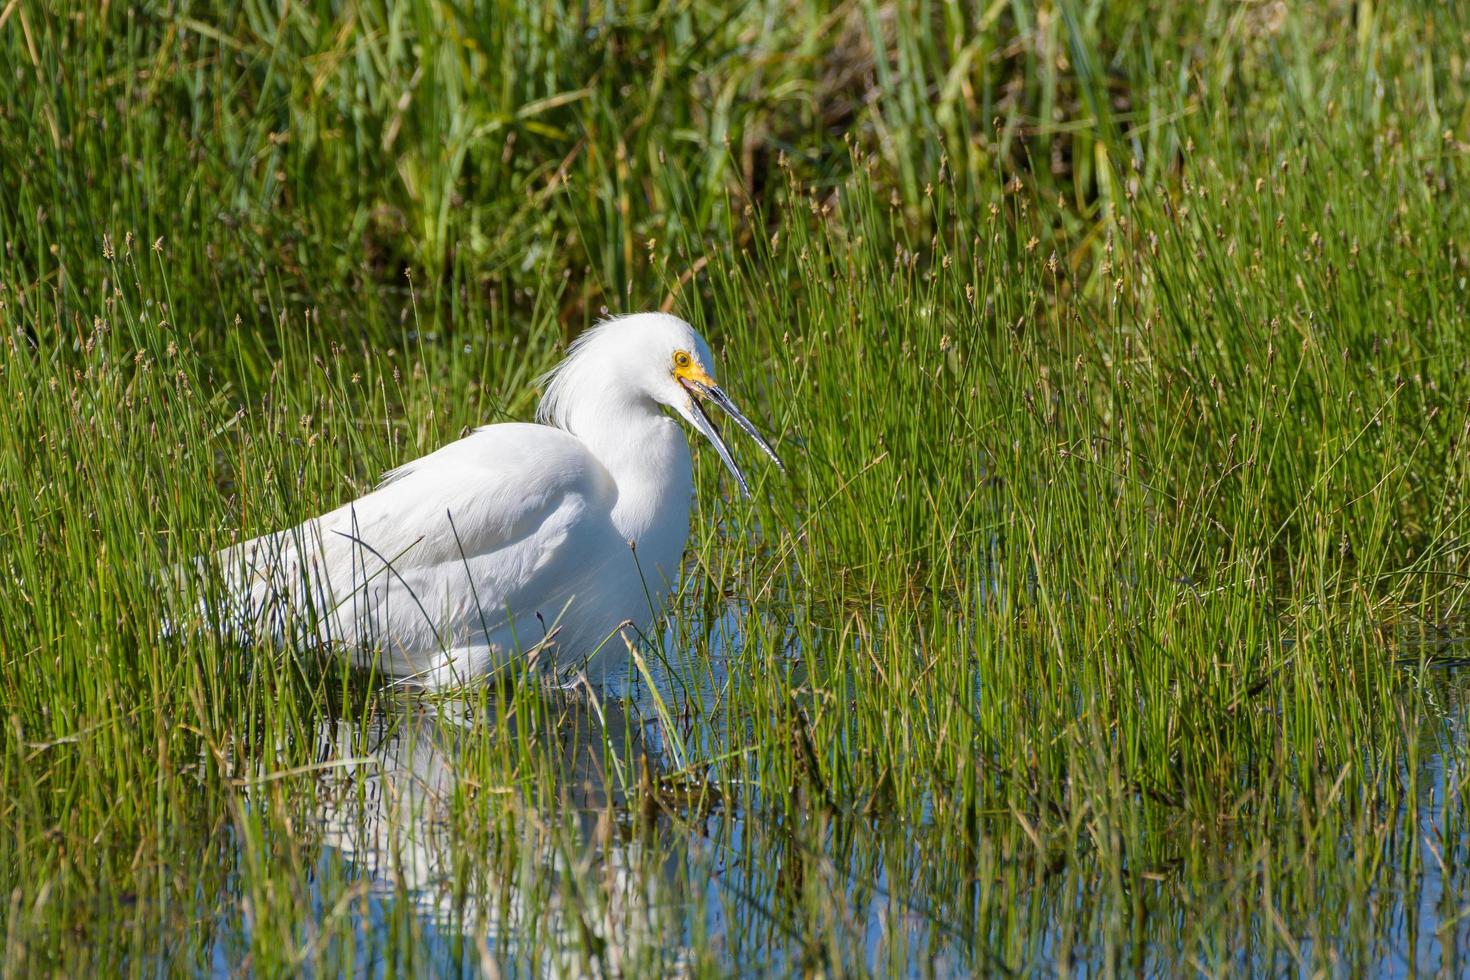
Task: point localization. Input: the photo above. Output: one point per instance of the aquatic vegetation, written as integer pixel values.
(1110, 615)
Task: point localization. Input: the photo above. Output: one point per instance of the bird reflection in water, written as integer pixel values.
(559, 872)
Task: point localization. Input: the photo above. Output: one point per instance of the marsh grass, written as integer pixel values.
(1110, 615)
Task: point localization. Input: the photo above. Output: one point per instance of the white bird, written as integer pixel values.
(519, 539)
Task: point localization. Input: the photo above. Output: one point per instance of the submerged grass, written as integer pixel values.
(1111, 614)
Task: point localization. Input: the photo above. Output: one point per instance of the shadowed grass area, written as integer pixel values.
(1110, 616)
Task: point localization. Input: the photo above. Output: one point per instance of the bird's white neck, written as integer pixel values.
(647, 455)
(601, 393)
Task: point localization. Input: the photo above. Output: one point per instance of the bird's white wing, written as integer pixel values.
(474, 524)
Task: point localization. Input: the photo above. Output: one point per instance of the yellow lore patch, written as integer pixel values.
(687, 368)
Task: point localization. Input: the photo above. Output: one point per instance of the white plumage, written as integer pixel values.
(517, 538)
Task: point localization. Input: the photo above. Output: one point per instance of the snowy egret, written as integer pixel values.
(518, 539)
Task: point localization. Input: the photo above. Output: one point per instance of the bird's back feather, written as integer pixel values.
(447, 548)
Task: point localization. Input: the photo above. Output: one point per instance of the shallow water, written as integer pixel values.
(586, 877)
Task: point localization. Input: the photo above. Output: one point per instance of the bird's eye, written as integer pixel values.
(681, 359)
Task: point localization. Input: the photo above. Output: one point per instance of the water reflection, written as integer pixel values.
(540, 837)
(551, 872)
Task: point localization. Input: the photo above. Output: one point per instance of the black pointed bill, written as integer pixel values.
(710, 393)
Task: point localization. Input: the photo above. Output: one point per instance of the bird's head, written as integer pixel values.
(649, 357)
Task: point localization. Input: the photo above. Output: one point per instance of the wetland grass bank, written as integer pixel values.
(1109, 619)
